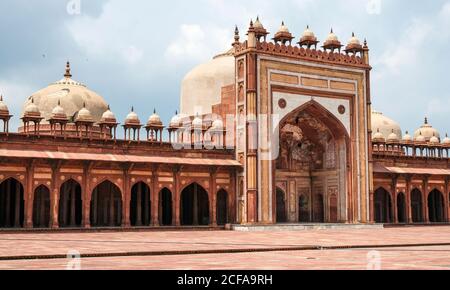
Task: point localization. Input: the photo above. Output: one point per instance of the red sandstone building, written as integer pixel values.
(302, 145)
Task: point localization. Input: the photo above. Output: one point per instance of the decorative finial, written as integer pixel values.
(426, 120)
(154, 110)
(32, 100)
(251, 23)
(59, 102)
(307, 26)
(331, 30)
(132, 108)
(353, 34)
(365, 42)
(257, 18)
(109, 108)
(282, 23)
(68, 74)
(176, 113)
(84, 105)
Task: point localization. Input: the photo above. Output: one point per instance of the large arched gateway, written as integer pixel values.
(106, 205)
(41, 207)
(70, 204)
(312, 164)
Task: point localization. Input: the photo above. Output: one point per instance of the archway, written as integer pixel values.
(383, 206)
(281, 206)
(436, 207)
(318, 210)
(165, 207)
(315, 148)
(194, 206)
(140, 205)
(106, 205)
(11, 204)
(416, 206)
(222, 207)
(303, 208)
(70, 204)
(41, 207)
(401, 208)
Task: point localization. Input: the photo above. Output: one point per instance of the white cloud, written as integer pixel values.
(196, 43)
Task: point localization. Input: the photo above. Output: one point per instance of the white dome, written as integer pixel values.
(132, 117)
(176, 121)
(427, 131)
(407, 137)
(385, 125)
(217, 125)
(197, 122)
(84, 114)
(154, 120)
(378, 136)
(258, 24)
(332, 37)
(283, 28)
(202, 87)
(108, 115)
(308, 33)
(354, 40)
(446, 140)
(3, 106)
(31, 107)
(420, 138)
(72, 95)
(393, 137)
(58, 110)
(434, 140)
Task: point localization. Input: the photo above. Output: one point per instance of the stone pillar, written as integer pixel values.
(426, 211)
(394, 199)
(139, 206)
(213, 199)
(28, 197)
(86, 193)
(176, 200)
(408, 200)
(154, 197)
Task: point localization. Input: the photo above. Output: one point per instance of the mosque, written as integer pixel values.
(269, 132)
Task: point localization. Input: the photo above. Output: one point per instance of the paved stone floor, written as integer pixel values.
(403, 257)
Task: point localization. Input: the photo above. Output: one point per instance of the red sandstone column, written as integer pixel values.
(425, 201)
(154, 197)
(28, 198)
(213, 205)
(408, 200)
(446, 200)
(87, 197)
(176, 200)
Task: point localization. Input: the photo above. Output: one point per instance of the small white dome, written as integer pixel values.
(258, 24)
(154, 120)
(434, 140)
(108, 115)
(446, 140)
(332, 36)
(3, 106)
(354, 40)
(132, 117)
(197, 122)
(420, 138)
(283, 28)
(308, 33)
(407, 137)
(393, 137)
(58, 110)
(176, 121)
(32, 108)
(427, 131)
(217, 125)
(378, 136)
(84, 114)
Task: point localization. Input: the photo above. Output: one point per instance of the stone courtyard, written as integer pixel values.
(409, 248)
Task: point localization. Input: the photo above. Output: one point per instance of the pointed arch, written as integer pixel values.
(401, 208)
(383, 206)
(106, 205)
(41, 207)
(165, 207)
(281, 206)
(11, 203)
(417, 206)
(436, 206)
(194, 206)
(70, 204)
(140, 205)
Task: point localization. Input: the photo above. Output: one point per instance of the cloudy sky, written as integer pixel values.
(136, 52)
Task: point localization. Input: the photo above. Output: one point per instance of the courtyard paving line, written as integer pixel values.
(222, 251)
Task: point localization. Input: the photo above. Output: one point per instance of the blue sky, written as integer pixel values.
(136, 52)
